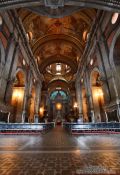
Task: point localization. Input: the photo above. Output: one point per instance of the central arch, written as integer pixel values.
(59, 58)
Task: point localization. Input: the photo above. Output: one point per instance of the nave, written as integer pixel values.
(59, 87)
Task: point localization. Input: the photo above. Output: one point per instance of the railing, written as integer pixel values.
(76, 128)
(22, 128)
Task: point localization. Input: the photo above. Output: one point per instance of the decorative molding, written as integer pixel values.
(51, 7)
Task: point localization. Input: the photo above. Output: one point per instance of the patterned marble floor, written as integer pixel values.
(59, 153)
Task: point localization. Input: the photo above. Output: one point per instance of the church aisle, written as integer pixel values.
(59, 153)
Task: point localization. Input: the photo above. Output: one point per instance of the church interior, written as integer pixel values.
(59, 87)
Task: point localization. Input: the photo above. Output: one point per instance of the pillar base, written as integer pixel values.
(36, 118)
(23, 116)
(92, 116)
(80, 119)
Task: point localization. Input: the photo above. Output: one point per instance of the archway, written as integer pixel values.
(18, 96)
(116, 59)
(114, 56)
(98, 97)
(59, 104)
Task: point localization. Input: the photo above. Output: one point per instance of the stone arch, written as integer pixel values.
(58, 86)
(58, 83)
(55, 37)
(84, 104)
(115, 61)
(117, 34)
(59, 59)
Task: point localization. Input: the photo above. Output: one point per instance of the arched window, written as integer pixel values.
(114, 18)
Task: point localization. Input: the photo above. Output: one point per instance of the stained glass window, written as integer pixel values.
(61, 93)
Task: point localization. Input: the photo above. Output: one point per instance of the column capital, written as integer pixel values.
(36, 118)
(23, 116)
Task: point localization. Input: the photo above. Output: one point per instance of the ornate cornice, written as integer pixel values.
(58, 7)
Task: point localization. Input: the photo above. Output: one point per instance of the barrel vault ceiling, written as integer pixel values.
(57, 42)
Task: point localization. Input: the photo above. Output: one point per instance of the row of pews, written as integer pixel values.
(25, 128)
(93, 128)
(22, 128)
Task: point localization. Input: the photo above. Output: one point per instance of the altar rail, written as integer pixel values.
(25, 128)
(93, 128)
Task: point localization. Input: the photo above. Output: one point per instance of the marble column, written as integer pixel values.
(79, 100)
(11, 78)
(27, 96)
(111, 80)
(90, 107)
(10, 56)
(37, 101)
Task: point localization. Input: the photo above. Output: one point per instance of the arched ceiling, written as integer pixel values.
(59, 59)
(57, 40)
(58, 85)
(57, 31)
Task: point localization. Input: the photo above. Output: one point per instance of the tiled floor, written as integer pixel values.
(59, 153)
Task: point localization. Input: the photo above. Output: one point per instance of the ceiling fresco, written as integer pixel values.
(57, 40)
(57, 31)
